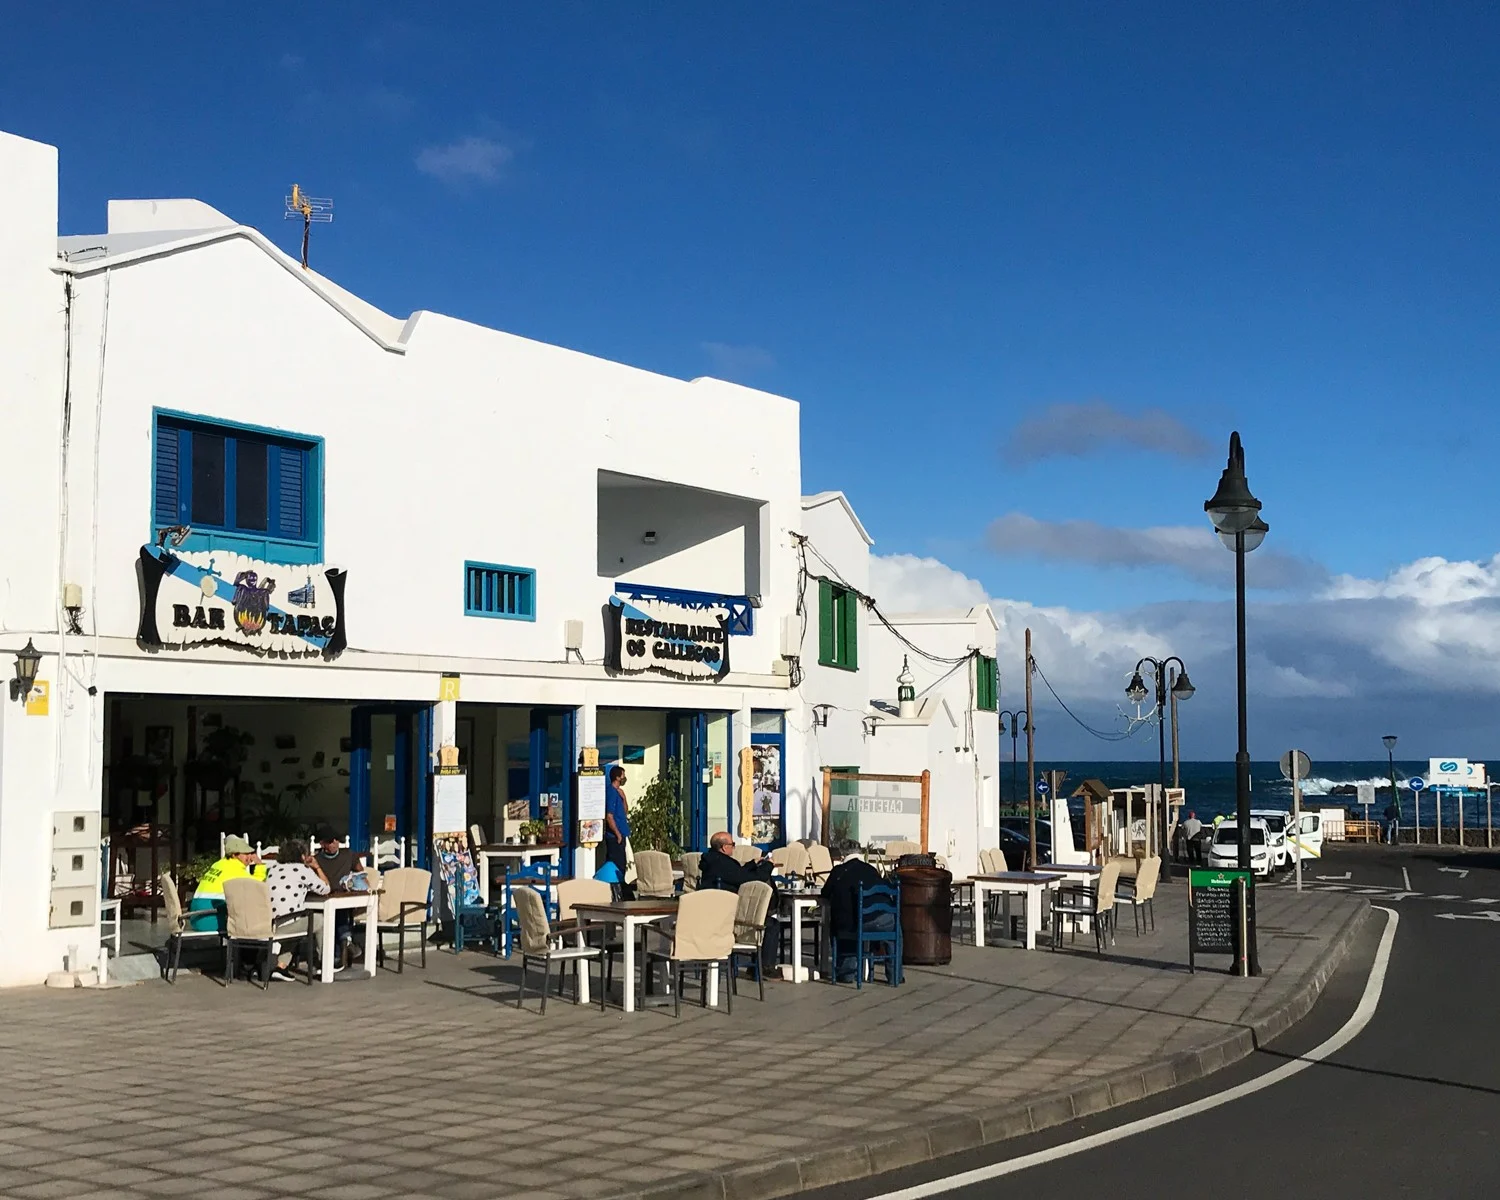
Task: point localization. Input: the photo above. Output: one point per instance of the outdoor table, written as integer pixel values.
(631, 916)
(510, 852)
(797, 903)
(332, 903)
(1032, 886)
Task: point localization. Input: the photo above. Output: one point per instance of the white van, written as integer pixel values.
(1224, 852)
(1306, 841)
(1278, 825)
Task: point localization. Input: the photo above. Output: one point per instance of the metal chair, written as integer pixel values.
(404, 904)
(538, 877)
(1143, 894)
(1096, 904)
(541, 943)
(750, 930)
(653, 875)
(179, 928)
(878, 923)
(691, 870)
(702, 938)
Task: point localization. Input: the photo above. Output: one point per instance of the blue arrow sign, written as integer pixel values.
(1041, 787)
(1416, 783)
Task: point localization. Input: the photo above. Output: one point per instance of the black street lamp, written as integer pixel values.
(1390, 755)
(1235, 514)
(1182, 689)
(1020, 721)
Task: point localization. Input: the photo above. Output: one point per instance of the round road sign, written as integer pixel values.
(1416, 783)
(1295, 760)
(1041, 787)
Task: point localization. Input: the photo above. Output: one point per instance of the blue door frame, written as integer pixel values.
(778, 740)
(413, 736)
(554, 767)
(687, 745)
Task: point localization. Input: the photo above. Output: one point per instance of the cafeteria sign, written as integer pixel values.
(670, 639)
(219, 597)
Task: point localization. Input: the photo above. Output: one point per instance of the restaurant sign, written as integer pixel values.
(216, 597)
(670, 639)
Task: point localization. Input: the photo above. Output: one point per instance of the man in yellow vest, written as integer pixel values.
(239, 862)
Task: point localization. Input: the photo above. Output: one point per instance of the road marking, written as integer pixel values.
(1368, 1002)
(1345, 875)
(1492, 915)
(1461, 872)
(1445, 896)
(1405, 879)
(1485, 900)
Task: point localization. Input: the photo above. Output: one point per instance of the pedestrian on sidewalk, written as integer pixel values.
(1392, 823)
(1191, 828)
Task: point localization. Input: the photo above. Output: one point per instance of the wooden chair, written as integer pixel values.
(878, 923)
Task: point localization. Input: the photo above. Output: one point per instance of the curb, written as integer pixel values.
(952, 1135)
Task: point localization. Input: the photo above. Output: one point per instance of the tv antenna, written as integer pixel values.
(311, 209)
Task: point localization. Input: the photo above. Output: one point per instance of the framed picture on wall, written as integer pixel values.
(633, 755)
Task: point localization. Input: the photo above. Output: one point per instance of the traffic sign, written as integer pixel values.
(1295, 759)
(1041, 787)
(1416, 783)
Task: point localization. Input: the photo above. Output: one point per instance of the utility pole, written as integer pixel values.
(1030, 758)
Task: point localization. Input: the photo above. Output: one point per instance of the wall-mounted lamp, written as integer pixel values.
(649, 537)
(820, 715)
(871, 725)
(27, 662)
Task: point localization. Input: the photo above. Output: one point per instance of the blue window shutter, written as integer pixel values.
(168, 458)
(291, 494)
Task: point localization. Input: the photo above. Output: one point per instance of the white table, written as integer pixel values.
(333, 903)
(630, 916)
(494, 852)
(798, 903)
(1031, 886)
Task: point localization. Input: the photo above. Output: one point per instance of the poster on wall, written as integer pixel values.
(216, 597)
(670, 639)
(766, 793)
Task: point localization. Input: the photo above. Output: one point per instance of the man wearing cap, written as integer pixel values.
(336, 861)
(239, 857)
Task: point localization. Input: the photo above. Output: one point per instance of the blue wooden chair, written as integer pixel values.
(542, 878)
(879, 925)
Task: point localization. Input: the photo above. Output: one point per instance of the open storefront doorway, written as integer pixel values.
(520, 763)
(690, 751)
(181, 772)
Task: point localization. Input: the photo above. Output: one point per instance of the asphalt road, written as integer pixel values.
(1409, 1107)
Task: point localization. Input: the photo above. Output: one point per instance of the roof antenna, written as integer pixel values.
(310, 209)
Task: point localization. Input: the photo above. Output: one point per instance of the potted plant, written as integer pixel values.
(532, 830)
(656, 818)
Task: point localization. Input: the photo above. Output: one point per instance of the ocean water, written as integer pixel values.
(1210, 787)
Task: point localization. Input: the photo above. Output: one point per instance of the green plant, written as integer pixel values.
(274, 818)
(656, 818)
(534, 828)
(194, 870)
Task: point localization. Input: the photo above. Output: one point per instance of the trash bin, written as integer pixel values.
(926, 916)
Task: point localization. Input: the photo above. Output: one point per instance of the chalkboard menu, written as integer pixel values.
(1213, 923)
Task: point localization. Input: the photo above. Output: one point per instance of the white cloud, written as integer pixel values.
(1414, 652)
(469, 159)
(734, 361)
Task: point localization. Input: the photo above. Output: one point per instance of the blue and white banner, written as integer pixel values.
(670, 639)
(218, 597)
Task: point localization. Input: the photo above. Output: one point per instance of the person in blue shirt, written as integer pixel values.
(616, 819)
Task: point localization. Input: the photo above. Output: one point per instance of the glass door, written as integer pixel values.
(384, 774)
(553, 764)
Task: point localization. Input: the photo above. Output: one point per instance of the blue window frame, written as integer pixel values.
(243, 488)
(494, 590)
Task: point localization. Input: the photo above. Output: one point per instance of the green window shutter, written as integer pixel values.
(826, 641)
(987, 687)
(851, 631)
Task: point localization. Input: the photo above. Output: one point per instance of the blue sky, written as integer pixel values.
(929, 224)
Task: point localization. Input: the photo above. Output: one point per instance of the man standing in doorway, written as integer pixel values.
(616, 819)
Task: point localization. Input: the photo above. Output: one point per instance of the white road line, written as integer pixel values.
(1352, 1029)
(1406, 879)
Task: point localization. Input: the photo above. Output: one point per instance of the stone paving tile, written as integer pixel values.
(995, 1026)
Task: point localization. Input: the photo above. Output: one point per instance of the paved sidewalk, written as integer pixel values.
(433, 1084)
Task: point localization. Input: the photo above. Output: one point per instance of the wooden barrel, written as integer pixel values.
(926, 916)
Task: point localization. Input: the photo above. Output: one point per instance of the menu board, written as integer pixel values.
(590, 806)
(1213, 925)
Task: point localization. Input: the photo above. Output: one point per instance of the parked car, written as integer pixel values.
(1015, 844)
(1278, 822)
(1225, 850)
(1306, 841)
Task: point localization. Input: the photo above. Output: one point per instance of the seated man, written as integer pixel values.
(239, 857)
(841, 905)
(719, 869)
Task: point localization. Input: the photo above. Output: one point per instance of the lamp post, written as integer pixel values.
(1182, 689)
(1235, 514)
(1390, 756)
(1020, 722)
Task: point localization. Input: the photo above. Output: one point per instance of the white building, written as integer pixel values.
(276, 546)
(851, 659)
